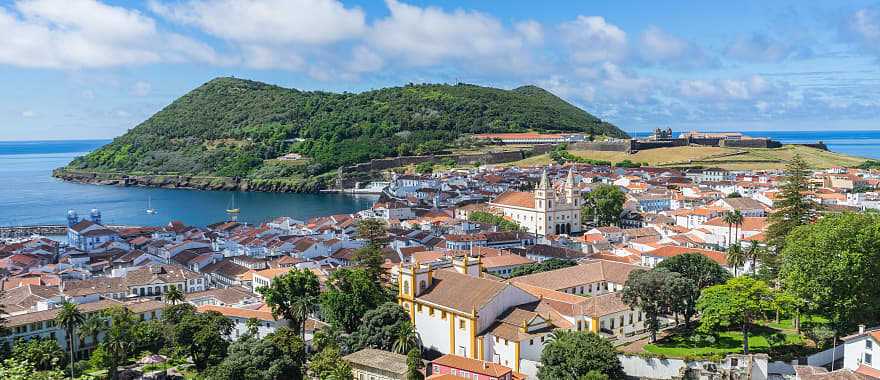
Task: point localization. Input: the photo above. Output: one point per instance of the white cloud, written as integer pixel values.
(618, 82)
(863, 28)
(28, 113)
(592, 39)
(269, 21)
(364, 60)
(141, 88)
(726, 89)
(531, 30)
(760, 47)
(427, 36)
(79, 33)
(657, 45)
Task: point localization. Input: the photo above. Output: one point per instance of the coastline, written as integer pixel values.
(190, 182)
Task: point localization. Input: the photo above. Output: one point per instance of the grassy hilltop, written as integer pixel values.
(232, 127)
(727, 158)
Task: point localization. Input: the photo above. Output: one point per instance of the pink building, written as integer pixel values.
(469, 368)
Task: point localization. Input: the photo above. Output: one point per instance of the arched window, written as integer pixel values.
(406, 287)
(422, 285)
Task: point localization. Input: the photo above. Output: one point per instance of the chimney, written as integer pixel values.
(861, 329)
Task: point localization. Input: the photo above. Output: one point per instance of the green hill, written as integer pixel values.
(233, 128)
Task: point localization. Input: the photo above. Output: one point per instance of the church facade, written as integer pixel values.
(545, 211)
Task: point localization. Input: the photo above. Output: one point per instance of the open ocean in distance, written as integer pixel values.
(30, 196)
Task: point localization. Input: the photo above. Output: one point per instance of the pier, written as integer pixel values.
(25, 231)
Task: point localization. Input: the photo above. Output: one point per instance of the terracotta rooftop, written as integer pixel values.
(524, 199)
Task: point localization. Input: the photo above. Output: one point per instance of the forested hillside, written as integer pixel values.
(233, 127)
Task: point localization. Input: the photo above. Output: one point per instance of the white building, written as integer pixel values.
(545, 211)
(861, 352)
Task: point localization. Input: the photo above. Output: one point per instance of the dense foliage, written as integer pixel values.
(544, 266)
(574, 354)
(702, 271)
(495, 220)
(833, 265)
(229, 127)
(603, 206)
(739, 301)
(656, 292)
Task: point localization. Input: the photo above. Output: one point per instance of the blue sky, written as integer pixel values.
(93, 69)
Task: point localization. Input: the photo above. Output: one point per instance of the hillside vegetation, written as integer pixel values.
(727, 158)
(236, 128)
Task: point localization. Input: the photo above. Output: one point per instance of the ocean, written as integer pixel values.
(30, 196)
(854, 143)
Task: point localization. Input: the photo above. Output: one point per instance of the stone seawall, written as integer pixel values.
(463, 159)
(188, 182)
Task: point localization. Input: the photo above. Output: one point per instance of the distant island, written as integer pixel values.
(233, 133)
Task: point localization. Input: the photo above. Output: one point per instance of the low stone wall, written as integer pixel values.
(603, 146)
(463, 159)
(750, 143)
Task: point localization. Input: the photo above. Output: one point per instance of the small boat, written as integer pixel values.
(150, 209)
(233, 211)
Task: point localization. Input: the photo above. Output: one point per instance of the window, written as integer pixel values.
(436, 368)
(419, 308)
(869, 344)
(531, 342)
(461, 324)
(867, 358)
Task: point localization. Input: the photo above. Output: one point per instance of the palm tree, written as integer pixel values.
(69, 318)
(737, 223)
(252, 326)
(303, 308)
(735, 257)
(92, 326)
(173, 295)
(752, 254)
(407, 339)
(729, 219)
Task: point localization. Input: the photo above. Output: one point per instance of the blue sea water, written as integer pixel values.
(855, 143)
(30, 196)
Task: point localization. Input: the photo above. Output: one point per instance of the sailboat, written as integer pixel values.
(233, 211)
(150, 209)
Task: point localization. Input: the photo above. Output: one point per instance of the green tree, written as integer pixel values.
(329, 365)
(414, 364)
(371, 259)
(43, 354)
(373, 230)
(349, 294)
(293, 296)
(407, 339)
(735, 257)
(252, 325)
(258, 359)
(702, 271)
(573, 354)
(544, 266)
(203, 337)
(92, 327)
(603, 206)
(739, 301)
(119, 339)
(654, 292)
(495, 220)
(173, 296)
(425, 167)
(834, 265)
(15, 369)
(380, 327)
(733, 219)
(69, 318)
(792, 207)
